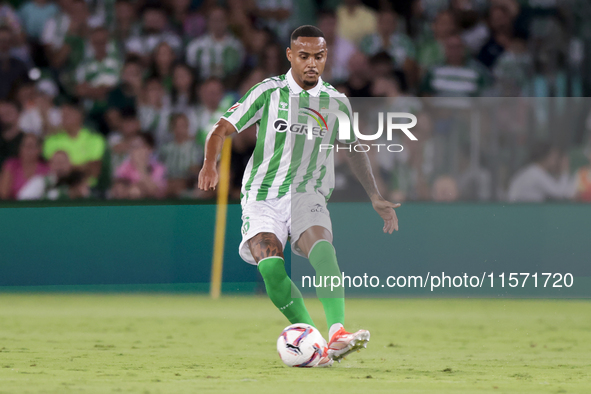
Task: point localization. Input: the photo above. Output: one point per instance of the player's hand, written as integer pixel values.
(208, 177)
(386, 210)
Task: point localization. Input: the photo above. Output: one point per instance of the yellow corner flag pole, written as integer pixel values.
(220, 221)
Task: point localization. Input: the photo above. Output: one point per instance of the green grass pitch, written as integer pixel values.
(189, 344)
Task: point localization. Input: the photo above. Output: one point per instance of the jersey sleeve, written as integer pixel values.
(248, 109)
(345, 107)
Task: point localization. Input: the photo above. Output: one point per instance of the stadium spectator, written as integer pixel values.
(414, 169)
(551, 65)
(120, 189)
(46, 186)
(124, 25)
(145, 175)
(98, 75)
(12, 70)
(34, 14)
(218, 53)
(274, 60)
(17, 171)
(474, 179)
(64, 35)
(126, 95)
(256, 46)
(186, 23)
(500, 22)
(154, 31)
(355, 20)
(213, 104)
(275, 15)
(10, 133)
(182, 157)
(472, 28)
(162, 62)
(417, 21)
(9, 18)
(460, 76)
(381, 65)
(19, 47)
(546, 178)
(24, 95)
(40, 116)
(84, 147)
(55, 30)
(183, 93)
(445, 189)
(513, 69)
(103, 11)
(396, 44)
(430, 47)
(340, 49)
(385, 86)
(154, 111)
(359, 82)
(120, 140)
(72, 187)
(388, 86)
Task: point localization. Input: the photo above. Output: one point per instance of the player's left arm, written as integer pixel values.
(361, 167)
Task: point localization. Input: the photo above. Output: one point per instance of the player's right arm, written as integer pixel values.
(239, 117)
(208, 177)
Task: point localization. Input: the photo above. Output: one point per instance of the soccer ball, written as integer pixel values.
(300, 345)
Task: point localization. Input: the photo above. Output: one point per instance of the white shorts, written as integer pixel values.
(286, 217)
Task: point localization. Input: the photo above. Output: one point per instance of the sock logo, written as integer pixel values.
(286, 306)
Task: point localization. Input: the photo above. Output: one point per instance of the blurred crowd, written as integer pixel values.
(114, 98)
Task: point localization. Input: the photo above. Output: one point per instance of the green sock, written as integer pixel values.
(280, 288)
(324, 260)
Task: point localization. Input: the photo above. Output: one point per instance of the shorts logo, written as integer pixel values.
(318, 208)
(280, 125)
(245, 226)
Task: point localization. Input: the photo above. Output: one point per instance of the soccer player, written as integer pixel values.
(285, 187)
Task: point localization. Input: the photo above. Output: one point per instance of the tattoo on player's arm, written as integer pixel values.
(361, 167)
(265, 245)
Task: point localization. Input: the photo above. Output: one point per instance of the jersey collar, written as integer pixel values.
(297, 89)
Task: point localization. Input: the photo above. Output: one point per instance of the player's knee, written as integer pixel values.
(264, 245)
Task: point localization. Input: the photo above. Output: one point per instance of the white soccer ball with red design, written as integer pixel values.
(300, 345)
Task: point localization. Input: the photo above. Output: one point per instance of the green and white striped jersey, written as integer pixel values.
(452, 81)
(179, 158)
(99, 72)
(215, 58)
(284, 159)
